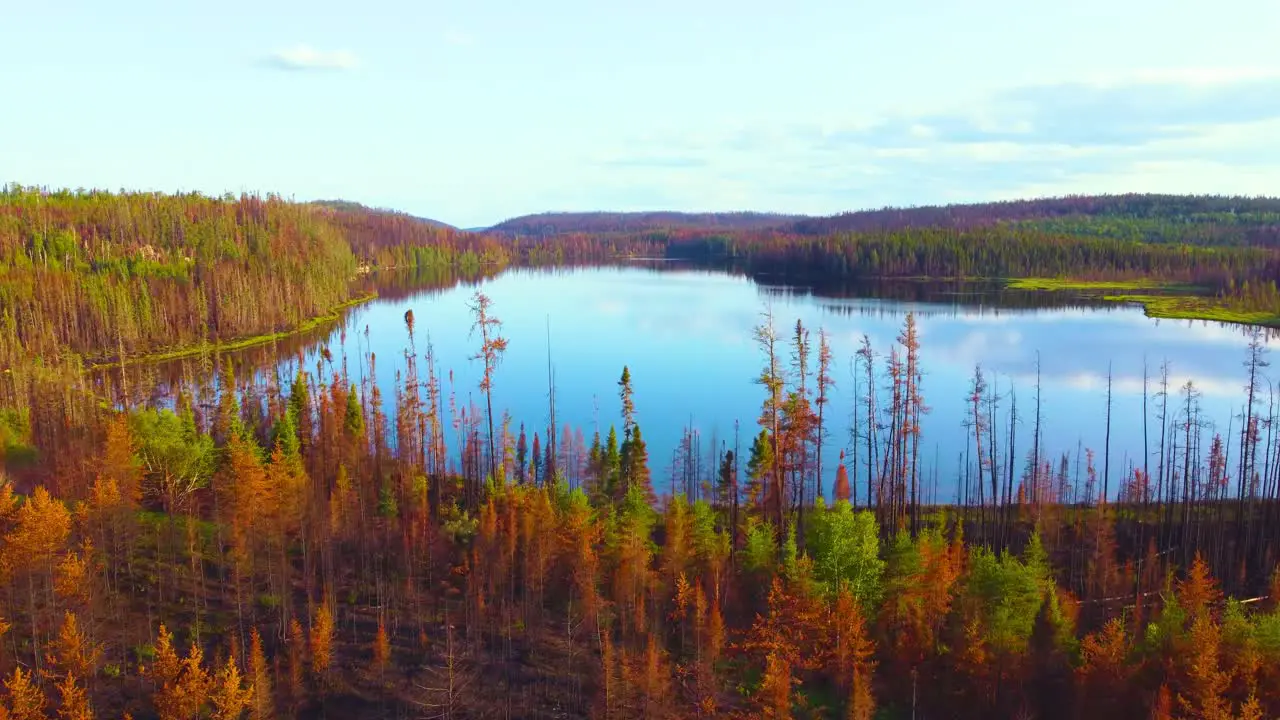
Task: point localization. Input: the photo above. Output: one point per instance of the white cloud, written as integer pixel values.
(1190, 130)
(454, 36)
(1184, 76)
(902, 152)
(1132, 385)
(919, 130)
(305, 57)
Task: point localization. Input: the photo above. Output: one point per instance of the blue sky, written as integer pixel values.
(472, 112)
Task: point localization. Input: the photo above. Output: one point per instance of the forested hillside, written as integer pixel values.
(89, 272)
(351, 206)
(1175, 219)
(1197, 220)
(103, 275)
(549, 224)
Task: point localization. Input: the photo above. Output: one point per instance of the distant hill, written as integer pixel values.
(1199, 219)
(545, 224)
(351, 206)
(1190, 219)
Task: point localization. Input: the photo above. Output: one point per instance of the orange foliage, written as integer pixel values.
(775, 688)
(42, 524)
(119, 461)
(182, 684)
(657, 679)
(853, 653)
(297, 649)
(262, 705)
(75, 701)
(1204, 682)
(26, 701)
(715, 632)
(381, 647)
(1163, 707)
(72, 581)
(848, 632)
(321, 640)
(842, 489)
(73, 653)
(1199, 591)
(229, 694)
(794, 629)
(1105, 673)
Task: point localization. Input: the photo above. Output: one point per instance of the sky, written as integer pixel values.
(474, 112)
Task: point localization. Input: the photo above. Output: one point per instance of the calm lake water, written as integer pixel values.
(687, 337)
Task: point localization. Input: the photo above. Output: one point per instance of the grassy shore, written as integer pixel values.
(182, 351)
(1190, 307)
(1051, 284)
(1178, 301)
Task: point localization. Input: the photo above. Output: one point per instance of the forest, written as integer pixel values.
(269, 546)
(1185, 219)
(290, 549)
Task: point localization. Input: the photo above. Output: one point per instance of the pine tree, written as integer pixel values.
(1198, 592)
(26, 701)
(75, 701)
(759, 469)
(321, 640)
(1104, 672)
(381, 648)
(635, 461)
(120, 459)
(229, 695)
(775, 688)
(522, 456)
(628, 401)
(183, 685)
(262, 704)
(612, 472)
(297, 651)
(492, 347)
(73, 653)
(1205, 681)
(854, 663)
(842, 491)
(535, 461)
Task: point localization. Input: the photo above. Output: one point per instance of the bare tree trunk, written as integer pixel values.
(1106, 453)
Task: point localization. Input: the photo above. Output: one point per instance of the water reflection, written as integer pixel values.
(686, 335)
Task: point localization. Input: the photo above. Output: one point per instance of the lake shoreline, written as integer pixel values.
(1183, 301)
(188, 350)
(1184, 305)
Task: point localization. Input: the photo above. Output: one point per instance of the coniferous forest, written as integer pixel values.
(305, 547)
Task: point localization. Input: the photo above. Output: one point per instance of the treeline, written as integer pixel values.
(302, 545)
(1193, 219)
(551, 224)
(998, 252)
(1133, 217)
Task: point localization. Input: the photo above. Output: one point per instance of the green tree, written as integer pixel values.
(634, 464)
(845, 546)
(612, 470)
(179, 460)
(759, 468)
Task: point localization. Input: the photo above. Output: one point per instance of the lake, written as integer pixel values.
(686, 335)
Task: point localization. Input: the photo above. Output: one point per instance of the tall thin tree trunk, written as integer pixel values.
(1106, 453)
